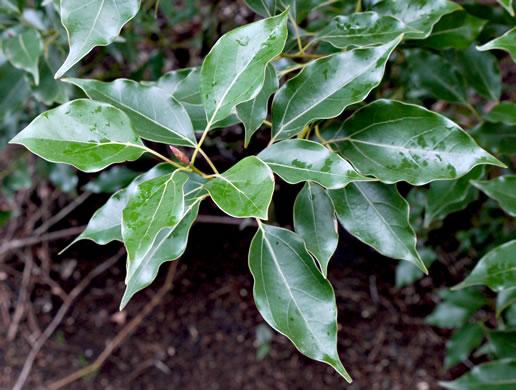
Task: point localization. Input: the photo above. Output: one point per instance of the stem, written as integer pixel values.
(210, 163)
(303, 55)
(287, 71)
(359, 6)
(160, 156)
(267, 123)
(296, 29)
(201, 141)
(474, 112)
(320, 137)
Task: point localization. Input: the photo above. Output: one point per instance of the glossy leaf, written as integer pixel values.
(395, 141)
(254, 112)
(503, 342)
(293, 296)
(111, 180)
(463, 341)
(497, 269)
(421, 15)
(498, 138)
(155, 205)
(508, 5)
(456, 309)
(506, 42)
(198, 117)
(495, 375)
(502, 189)
(86, 134)
(362, 29)
(443, 82)
(15, 86)
(456, 30)
(183, 84)
(94, 23)
(299, 9)
(314, 221)
(325, 87)
(301, 160)
(504, 299)
(234, 70)
(245, 190)
(155, 114)
(377, 215)
(23, 51)
(407, 273)
(447, 195)
(504, 112)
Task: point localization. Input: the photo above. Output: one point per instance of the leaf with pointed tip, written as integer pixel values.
(502, 189)
(254, 112)
(245, 190)
(300, 160)
(198, 117)
(498, 138)
(234, 70)
(443, 82)
(154, 205)
(463, 341)
(50, 90)
(445, 194)
(504, 112)
(293, 296)
(456, 30)
(23, 51)
(86, 134)
(508, 5)
(480, 70)
(504, 299)
(407, 273)
(377, 215)
(395, 141)
(421, 15)
(325, 87)
(155, 114)
(495, 375)
(314, 221)
(506, 42)
(503, 342)
(169, 245)
(15, 89)
(94, 23)
(111, 180)
(497, 269)
(457, 308)
(362, 29)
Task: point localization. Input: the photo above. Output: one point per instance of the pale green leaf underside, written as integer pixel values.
(502, 189)
(508, 5)
(377, 215)
(155, 114)
(245, 190)
(93, 23)
(395, 141)
(506, 42)
(88, 135)
(234, 70)
(293, 296)
(497, 269)
(23, 51)
(504, 112)
(505, 299)
(325, 87)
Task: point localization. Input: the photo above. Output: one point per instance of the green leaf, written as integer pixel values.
(407, 273)
(508, 5)
(314, 221)
(325, 87)
(504, 299)
(377, 215)
(15, 89)
(503, 342)
(497, 269)
(23, 51)
(155, 114)
(449, 195)
(293, 296)
(95, 23)
(299, 9)
(155, 204)
(64, 177)
(481, 71)
(457, 308)
(496, 375)
(183, 84)
(169, 245)
(234, 70)
(504, 112)
(5, 215)
(502, 189)
(245, 190)
(443, 82)
(50, 90)
(111, 180)
(506, 42)
(198, 117)
(463, 341)
(362, 29)
(254, 112)
(395, 141)
(421, 15)
(86, 134)
(300, 160)
(456, 30)
(498, 138)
